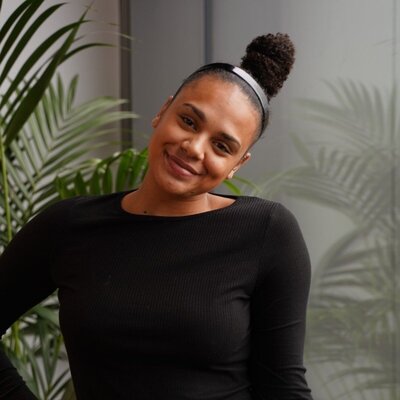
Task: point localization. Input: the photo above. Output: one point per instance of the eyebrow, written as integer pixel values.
(203, 118)
(197, 111)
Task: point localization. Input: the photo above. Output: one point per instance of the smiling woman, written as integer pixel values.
(193, 149)
(169, 291)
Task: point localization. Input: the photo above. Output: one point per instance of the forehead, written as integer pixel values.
(213, 86)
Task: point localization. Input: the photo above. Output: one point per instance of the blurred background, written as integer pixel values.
(330, 153)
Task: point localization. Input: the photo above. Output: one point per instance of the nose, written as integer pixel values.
(194, 147)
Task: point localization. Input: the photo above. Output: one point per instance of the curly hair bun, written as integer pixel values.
(269, 59)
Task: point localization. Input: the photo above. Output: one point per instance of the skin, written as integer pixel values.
(200, 137)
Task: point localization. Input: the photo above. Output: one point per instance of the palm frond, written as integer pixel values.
(56, 136)
(350, 165)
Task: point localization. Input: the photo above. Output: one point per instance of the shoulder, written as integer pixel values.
(56, 211)
(82, 205)
(284, 253)
(61, 213)
(275, 223)
(282, 232)
(41, 233)
(282, 228)
(272, 212)
(47, 221)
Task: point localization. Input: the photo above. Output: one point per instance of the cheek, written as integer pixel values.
(151, 147)
(219, 168)
(166, 131)
(155, 150)
(157, 138)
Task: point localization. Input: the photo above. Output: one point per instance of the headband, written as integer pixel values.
(241, 73)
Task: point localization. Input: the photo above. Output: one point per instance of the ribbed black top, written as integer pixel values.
(204, 306)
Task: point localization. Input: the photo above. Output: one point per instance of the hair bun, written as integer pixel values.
(269, 59)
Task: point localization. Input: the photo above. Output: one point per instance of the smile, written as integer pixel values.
(180, 167)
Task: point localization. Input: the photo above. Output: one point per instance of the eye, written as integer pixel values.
(222, 147)
(188, 121)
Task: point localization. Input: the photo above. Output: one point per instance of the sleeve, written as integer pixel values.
(25, 280)
(278, 312)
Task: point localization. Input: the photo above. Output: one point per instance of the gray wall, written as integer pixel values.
(168, 44)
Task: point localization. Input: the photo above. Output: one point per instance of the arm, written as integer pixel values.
(25, 280)
(278, 310)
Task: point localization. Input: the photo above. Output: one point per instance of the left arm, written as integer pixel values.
(278, 313)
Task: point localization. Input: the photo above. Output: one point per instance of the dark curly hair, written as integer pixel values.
(268, 59)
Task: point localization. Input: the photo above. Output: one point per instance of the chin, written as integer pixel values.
(184, 192)
(180, 189)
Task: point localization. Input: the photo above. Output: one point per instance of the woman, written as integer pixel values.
(170, 291)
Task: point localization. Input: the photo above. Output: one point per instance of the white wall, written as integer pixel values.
(98, 68)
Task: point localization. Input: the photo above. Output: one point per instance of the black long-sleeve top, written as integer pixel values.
(205, 306)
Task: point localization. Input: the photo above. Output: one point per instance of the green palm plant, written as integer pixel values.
(41, 132)
(352, 167)
(118, 172)
(25, 76)
(56, 136)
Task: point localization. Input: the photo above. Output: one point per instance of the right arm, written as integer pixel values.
(25, 280)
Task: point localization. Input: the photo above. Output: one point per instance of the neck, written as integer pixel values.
(147, 201)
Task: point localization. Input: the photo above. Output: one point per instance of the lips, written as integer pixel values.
(181, 167)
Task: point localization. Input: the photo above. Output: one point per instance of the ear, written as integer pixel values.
(156, 119)
(242, 161)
